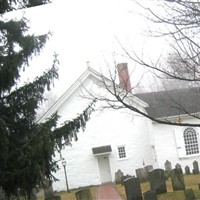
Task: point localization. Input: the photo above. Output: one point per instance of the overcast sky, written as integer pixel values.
(86, 31)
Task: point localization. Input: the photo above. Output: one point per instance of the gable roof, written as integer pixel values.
(78, 83)
(172, 102)
(68, 92)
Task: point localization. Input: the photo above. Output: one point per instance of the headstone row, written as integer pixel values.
(195, 170)
(157, 180)
(157, 185)
(141, 174)
(120, 177)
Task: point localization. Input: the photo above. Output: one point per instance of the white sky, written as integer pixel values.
(84, 30)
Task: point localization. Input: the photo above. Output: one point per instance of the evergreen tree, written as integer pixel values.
(26, 148)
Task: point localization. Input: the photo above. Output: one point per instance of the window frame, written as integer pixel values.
(180, 143)
(122, 152)
(191, 142)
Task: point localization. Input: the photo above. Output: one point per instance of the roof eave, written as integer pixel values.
(68, 92)
(184, 116)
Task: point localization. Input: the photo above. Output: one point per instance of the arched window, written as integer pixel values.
(191, 141)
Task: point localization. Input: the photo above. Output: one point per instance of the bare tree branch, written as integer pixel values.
(181, 22)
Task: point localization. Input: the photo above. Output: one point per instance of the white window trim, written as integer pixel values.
(197, 135)
(125, 158)
(180, 143)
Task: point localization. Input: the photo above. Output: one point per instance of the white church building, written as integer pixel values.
(122, 139)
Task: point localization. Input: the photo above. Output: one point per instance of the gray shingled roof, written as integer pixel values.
(172, 102)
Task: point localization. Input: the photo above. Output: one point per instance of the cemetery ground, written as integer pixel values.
(191, 181)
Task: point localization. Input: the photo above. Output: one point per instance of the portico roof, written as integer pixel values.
(102, 150)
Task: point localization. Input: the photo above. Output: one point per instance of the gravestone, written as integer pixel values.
(168, 166)
(157, 181)
(150, 195)
(166, 175)
(126, 177)
(187, 170)
(118, 176)
(83, 195)
(48, 192)
(177, 180)
(178, 166)
(189, 194)
(148, 168)
(195, 167)
(48, 189)
(141, 174)
(133, 189)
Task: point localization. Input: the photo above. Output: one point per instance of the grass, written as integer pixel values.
(191, 181)
(71, 196)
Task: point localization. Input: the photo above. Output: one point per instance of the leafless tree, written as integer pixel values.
(181, 19)
(181, 67)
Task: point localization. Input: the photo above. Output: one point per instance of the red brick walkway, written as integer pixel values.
(107, 192)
